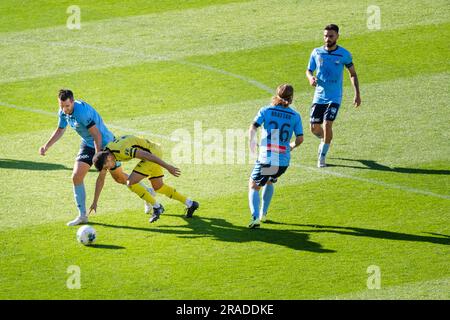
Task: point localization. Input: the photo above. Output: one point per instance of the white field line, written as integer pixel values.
(234, 75)
(28, 109)
(142, 57)
(373, 181)
(54, 114)
(178, 34)
(316, 170)
(143, 133)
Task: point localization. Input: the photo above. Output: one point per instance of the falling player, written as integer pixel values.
(150, 166)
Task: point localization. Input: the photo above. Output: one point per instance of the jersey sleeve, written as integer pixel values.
(87, 118)
(348, 60)
(312, 62)
(259, 119)
(62, 123)
(131, 152)
(298, 127)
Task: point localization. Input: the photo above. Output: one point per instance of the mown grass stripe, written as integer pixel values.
(232, 152)
(176, 35)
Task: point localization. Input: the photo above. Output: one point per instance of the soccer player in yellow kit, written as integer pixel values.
(151, 166)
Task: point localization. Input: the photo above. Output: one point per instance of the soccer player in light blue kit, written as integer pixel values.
(280, 123)
(86, 121)
(328, 62)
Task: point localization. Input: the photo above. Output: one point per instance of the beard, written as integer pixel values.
(330, 44)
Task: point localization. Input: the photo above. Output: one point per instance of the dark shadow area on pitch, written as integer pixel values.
(222, 230)
(373, 165)
(105, 246)
(31, 165)
(371, 233)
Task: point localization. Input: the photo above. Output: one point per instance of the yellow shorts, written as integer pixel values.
(150, 169)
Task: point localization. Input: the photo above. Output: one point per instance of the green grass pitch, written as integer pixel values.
(152, 67)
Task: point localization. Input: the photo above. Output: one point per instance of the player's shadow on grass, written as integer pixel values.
(222, 230)
(105, 246)
(372, 233)
(373, 165)
(31, 165)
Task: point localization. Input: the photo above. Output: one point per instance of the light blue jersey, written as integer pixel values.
(279, 125)
(82, 118)
(330, 67)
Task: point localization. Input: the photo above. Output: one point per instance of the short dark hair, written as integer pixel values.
(100, 159)
(65, 94)
(332, 27)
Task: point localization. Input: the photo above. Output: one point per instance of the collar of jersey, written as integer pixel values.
(337, 47)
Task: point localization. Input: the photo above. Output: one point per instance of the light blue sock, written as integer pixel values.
(323, 152)
(79, 194)
(267, 195)
(253, 201)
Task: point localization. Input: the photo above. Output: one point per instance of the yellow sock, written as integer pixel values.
(172, 193)
(142, 193)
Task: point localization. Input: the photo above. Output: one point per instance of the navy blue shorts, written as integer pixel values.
(86, 154)
(262, 173)
(319, 112)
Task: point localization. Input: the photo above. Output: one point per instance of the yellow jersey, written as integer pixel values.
(125, 147)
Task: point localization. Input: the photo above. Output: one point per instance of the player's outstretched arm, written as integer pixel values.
(355, 84)
(56, 135)
(98, 189)
(144, 155)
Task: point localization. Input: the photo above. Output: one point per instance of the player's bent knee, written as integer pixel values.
(157, 185)
(315, 127)
(80, 170)
(77, 178)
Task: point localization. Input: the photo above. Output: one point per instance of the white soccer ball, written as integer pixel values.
(86, 235)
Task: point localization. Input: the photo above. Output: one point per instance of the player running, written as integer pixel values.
(87, 122)
(151, 166)
(280, 122)
(328, 62)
